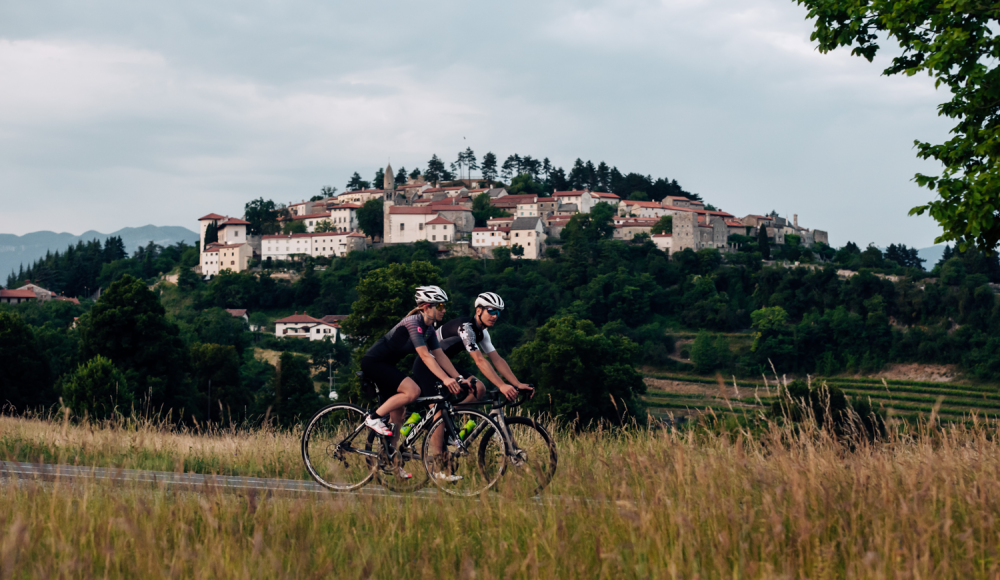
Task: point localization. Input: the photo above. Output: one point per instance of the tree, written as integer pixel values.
(767, 322)
(24, 382)
(325, 226)
(517, 250)
(379, 180)
(638, 196)
(216, 370)
(489, 167)
(328, 191)
(401, 176)
(114, 249)
(580, 373)
(263, 217)
(317, 198)
(295, 395)
(957, 43)
(703, 353)
(211, 235)
(763, 244)
(435, 170)
(371, 218)
(294, 227)
(664, 225)
(129, 326)
(415, 174)
(524, 184)
(482, 210)
(97, 389)
(356, 183)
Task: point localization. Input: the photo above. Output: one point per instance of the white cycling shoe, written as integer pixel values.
(442, 476)
(378, 426)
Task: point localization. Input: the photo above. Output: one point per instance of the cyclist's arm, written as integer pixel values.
(431, 361)
(444, 362)
(487, 369)
(502, 366)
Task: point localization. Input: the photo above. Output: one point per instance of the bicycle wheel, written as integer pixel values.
(333, 448)
(408, 458)
(459, 469)
(533, 460)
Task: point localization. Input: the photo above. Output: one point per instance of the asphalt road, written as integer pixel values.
(183, 481)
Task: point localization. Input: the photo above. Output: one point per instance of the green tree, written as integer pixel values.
(523, 184)
(294, 227)
(638, 196)
(25, 382)
(379, 180)
(263, 217)
(97, 389)
(581, 373)
(128, 326)
(211, 234)
(216, 370)
(371, 218)
(664, 225)
(327, 191)
(763, 244)
(295, 395)
(703, 353)
(517, 250)
(356, 183)
(325, 226)
(483, 210)
(435, 170)
(767, 322)
(958, 44)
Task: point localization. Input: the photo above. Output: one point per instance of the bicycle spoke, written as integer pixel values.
(333, 452)
(533, 460)
(457, 466)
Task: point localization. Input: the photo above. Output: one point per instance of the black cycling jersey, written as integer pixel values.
(463, 332)
(403, 339)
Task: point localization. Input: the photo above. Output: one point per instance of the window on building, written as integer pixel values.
(420, 226)
(445, 238)
(402, 227)
(434, 238)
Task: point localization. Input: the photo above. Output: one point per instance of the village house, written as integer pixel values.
(628, 228)
(231, 251)
(16, 296)
(360, 196)
(529, 233)
(645, 209)
(406, 224)
(664, 242)
(490, 237)
(305, 326)
(316, 244)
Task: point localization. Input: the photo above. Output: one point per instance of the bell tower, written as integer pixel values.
(389, 183)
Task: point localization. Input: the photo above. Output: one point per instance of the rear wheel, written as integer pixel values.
(333, 448)
(471, 467)
(533, 460)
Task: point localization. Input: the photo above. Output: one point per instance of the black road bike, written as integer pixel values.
(462, 450)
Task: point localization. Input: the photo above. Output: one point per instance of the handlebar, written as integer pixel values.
(500, 400)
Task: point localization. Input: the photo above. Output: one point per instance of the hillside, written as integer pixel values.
(18, 250)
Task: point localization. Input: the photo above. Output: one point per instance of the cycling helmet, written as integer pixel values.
(430, 295)
(489, 300)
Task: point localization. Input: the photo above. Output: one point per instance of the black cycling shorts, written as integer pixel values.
(427, 380)
(386, 376)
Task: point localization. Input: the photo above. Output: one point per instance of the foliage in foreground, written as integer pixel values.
(779, 503)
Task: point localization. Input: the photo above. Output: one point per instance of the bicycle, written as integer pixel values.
(334, 459)
(531, 452)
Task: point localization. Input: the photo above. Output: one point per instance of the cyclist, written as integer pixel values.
(413, 334)
(472, 334)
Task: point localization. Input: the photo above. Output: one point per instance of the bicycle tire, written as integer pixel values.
(478, 472)
(330, 465)
(533, 459)
(393, 482)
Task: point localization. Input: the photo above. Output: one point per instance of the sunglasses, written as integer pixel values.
(493, 311)
(439, 306)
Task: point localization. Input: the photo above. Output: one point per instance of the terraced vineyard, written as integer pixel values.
(688, 394)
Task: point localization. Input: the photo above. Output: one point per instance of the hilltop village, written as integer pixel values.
(442, 214)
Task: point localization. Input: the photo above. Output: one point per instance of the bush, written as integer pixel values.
(97, 389)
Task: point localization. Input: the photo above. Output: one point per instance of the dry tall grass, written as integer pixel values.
(646, 504)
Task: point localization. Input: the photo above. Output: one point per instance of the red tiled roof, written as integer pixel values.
(733, 223)
(299, 318)
(234, 222)
(719, 213)
(237, 312)
(676, 208)
(312, 215)
(567, 193)
(452, 201)
(695, 202)
(604, 195)
(643, 203)
(212, 216)
(17, 294)
(398, 209)
(441, 220)
(217, 247)
(344, 205)
(662, 235)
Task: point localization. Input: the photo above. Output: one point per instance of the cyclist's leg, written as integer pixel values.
(427, 381)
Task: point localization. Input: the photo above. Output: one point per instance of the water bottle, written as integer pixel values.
(466, 429)
(410, 422)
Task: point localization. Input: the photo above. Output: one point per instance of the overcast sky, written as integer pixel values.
(125, 113)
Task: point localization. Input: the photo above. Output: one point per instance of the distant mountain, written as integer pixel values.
(932, 255)
(18, 250)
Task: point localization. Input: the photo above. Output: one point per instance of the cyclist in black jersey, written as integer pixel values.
(472, 334)
(414, 334)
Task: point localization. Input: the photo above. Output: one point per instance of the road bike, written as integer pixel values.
(461, 450)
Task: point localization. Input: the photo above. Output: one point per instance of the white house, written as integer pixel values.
(16, 296)
(646, 209)
(317, 244)
(344, 217)
(491, 237)
(405, 225)
(231, 251)
(529, 233)
(360, 196)
(305, 326)
(664, 241)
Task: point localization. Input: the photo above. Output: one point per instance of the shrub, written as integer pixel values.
(97, 389)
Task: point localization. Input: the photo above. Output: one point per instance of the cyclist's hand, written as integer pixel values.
(508, 391)
(526, 387)
(453, 386)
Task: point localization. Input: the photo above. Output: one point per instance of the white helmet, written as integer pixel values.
(430, 295)
(489, 300)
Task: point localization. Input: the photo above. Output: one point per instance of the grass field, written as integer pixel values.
(632, 503)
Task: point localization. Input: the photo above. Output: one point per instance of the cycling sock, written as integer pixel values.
(375, 415)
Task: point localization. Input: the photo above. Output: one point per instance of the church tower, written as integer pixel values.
(389, 183)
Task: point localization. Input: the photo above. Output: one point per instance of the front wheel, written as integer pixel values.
(454, 465)
(533, 458)
(333, 448)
